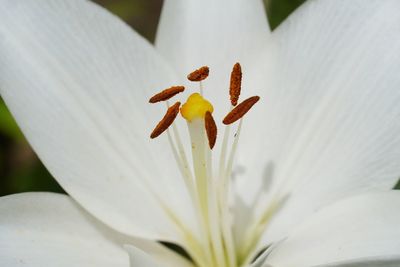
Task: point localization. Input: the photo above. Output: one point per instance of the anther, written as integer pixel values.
(211, 129)
(167, 120)
(236, 84)
(199, 74)
(240, 110)
(167, 94)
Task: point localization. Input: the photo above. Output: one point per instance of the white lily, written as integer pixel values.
(315, 162)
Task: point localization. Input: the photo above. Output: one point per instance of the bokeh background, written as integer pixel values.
(20, 169)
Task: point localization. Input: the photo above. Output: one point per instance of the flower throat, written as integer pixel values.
(209, 190)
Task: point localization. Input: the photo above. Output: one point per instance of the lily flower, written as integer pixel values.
(302, 179)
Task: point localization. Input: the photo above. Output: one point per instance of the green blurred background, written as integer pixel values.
(20, 169)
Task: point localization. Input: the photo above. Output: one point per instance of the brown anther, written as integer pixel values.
(236, 83)
(167, 120)
(240, 110)
(167, 94)
(199, 74)
(211, 129)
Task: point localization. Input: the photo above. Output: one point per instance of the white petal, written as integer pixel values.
(45, 229)
(359, 229)
(365, 262)
(329, 125)
(158, 252)
(386, 262)
(141, 258)
(214, 33)
(77, 80)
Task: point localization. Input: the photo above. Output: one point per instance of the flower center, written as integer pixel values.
(196, 107)
(208, 188)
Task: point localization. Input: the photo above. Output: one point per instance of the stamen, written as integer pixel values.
(166, 94)
(199, 74)
(211, 129)
(236, 83)
(166, 121)
(239, 111)
(180, 156)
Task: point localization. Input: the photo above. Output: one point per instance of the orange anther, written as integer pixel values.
(199, 74)
(240, 110)
(211, 129)
(166, 94)
(167, 120)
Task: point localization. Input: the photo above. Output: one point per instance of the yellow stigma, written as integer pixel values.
(196, 107)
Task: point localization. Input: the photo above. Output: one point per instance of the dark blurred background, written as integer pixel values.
(20, 169)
